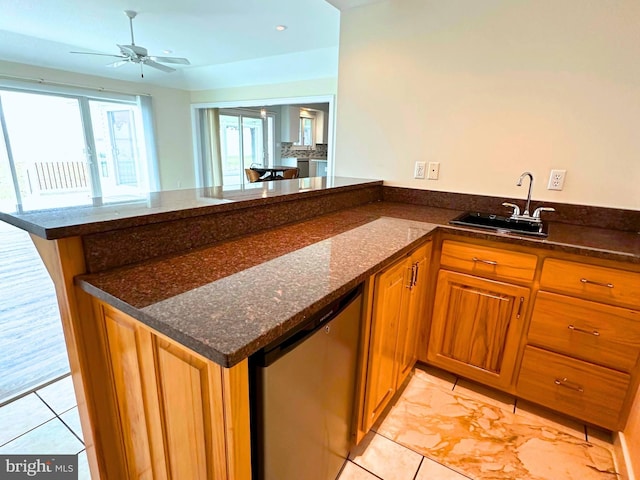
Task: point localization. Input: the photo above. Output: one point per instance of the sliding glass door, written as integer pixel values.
(246, 139)
(66, 150)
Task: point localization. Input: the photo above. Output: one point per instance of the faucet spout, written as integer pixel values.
(530, 175)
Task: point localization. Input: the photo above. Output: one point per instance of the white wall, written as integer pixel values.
(172, 118)
(304, 88)
(490, 89)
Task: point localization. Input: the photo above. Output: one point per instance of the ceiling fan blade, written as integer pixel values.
(178, 60)
(101, 54)
(119, 63)
(159, 66)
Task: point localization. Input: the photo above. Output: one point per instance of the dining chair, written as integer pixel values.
(291, 173)
(252, 175)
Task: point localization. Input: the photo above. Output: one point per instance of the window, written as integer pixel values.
(306, 130)
(60, 149)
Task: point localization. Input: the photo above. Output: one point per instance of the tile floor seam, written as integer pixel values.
(39, 426)
(71, 429)
(584, 425)
(47, 405)
(26, 431)
(415, 476)
(414, 451)
(365, 469)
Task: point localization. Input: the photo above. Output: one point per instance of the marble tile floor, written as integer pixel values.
(446, 428)
(44, 422)
(440, 428)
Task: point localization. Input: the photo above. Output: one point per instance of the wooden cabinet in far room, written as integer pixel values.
(478, 323)
(399, 294)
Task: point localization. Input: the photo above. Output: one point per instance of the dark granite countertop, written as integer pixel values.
(165, 206)
(228, 300)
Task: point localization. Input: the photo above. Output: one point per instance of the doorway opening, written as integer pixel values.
(288, 132)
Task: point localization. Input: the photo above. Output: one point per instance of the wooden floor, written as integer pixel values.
(32, 349)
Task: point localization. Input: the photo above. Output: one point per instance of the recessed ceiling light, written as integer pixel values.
(167, 51)
(281, 28)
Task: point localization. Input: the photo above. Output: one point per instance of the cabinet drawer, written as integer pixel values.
(591, 331)
(608, 285)
(589, 392)
(488, 262)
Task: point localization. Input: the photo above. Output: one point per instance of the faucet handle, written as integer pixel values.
(516, 209)
(536, 213)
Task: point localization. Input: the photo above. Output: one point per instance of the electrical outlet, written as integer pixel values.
(434, 171)
(556, 179)
(419, 169)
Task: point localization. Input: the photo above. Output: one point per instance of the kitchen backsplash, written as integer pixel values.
(286, 151)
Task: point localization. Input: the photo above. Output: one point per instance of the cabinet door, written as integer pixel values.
(477, 326)
(387, 316)
(177, 415)
(409, 328)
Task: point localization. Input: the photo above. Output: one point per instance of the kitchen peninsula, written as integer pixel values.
(163, 302)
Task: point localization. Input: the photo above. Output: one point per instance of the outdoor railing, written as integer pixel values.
(61, 175)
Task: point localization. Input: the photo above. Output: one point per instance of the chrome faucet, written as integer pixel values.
(526, 208)
(526, 216)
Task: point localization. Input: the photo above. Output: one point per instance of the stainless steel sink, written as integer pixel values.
(503, 224)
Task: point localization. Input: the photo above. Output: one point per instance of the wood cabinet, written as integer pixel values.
(580, 389)
(408, 332)
(181, 415)
(583, 345)
(477, 326)
(396, 308)
(478, 317)
(490, 262)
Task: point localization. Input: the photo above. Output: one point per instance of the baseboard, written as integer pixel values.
(623, 458)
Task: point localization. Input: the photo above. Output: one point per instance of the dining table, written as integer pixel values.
(271, 173)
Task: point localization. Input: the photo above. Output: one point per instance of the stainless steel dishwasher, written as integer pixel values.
(302, 390)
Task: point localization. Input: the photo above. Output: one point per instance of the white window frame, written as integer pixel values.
(144, 117)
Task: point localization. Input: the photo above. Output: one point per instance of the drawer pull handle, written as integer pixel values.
(520, 307)
(486, 262)
(567, 384)
(595, 333)
(599, 284)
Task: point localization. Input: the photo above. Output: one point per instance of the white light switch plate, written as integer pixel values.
(434, 171)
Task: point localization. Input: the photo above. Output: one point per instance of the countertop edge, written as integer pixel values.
(101, 226)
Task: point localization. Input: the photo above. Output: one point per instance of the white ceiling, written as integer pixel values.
(229, 42)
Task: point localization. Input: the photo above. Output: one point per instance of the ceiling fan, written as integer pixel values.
(136, 54)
